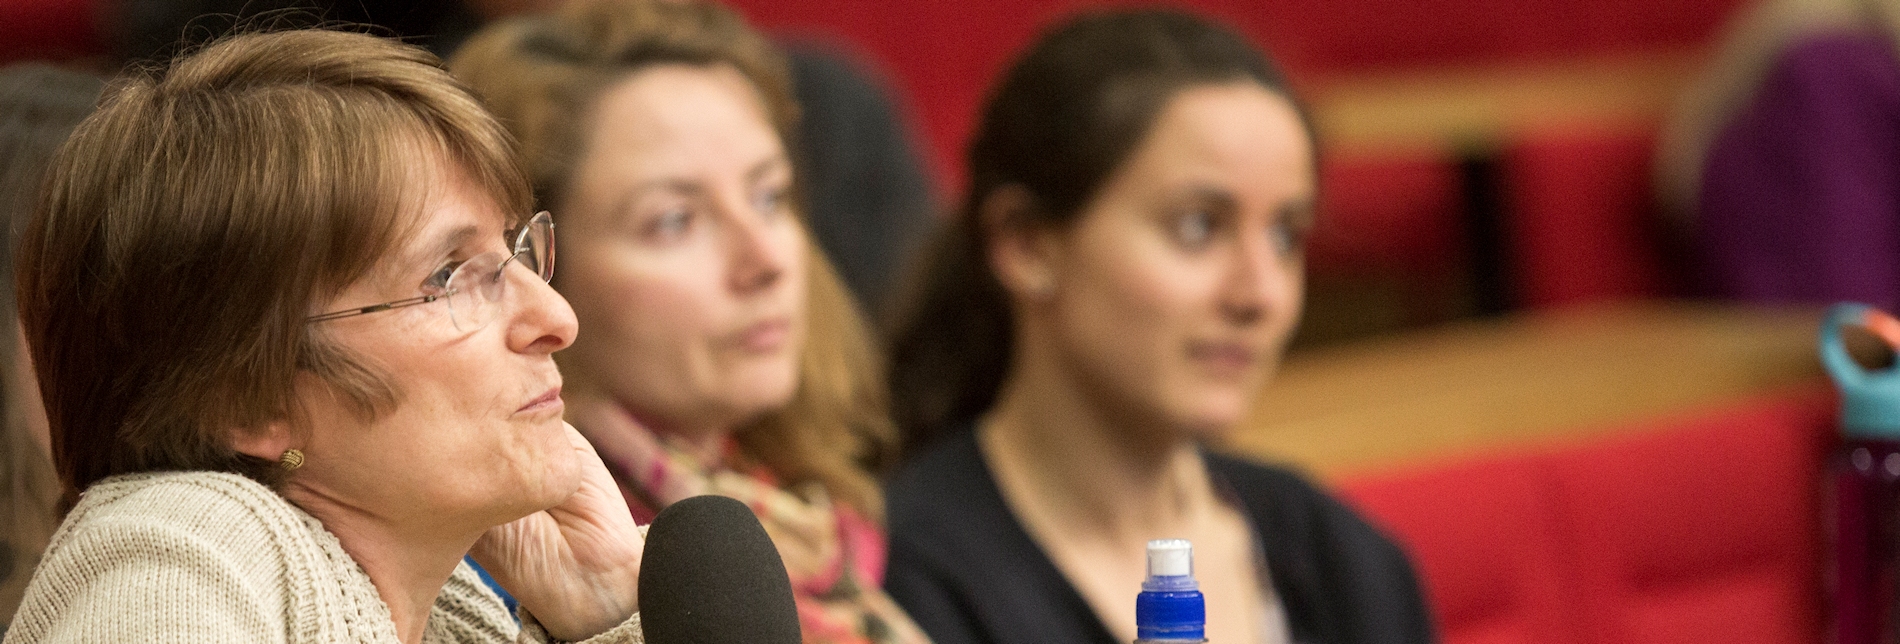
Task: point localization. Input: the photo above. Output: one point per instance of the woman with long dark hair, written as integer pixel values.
(1120, 284)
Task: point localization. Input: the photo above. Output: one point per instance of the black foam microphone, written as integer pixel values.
(710, 575)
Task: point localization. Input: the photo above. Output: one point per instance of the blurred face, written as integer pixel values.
(476, 439)
(1175, 290)
(682, 254)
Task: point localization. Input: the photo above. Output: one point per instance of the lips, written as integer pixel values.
(549, 400)
(1224, 356)
(765, 336)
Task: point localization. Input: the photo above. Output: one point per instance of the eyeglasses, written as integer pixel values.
(474, 288)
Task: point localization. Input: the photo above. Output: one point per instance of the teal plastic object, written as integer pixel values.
(1870, 399)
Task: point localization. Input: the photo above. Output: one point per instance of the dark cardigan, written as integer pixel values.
(969, 574)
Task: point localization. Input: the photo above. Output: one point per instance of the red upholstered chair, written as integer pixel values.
(1697, 529)
(1392, 219)
(1386, 211)
(1581, 226)
(1485, 538)
(1706, 530)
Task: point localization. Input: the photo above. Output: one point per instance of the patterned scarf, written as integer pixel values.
(835, 556)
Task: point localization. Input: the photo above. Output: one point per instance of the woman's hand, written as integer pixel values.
(575, 566)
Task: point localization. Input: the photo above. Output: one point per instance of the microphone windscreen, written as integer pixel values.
(710, 575)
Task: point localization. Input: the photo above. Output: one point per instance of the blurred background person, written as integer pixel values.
(1783, 163)
(868, 200)
(1124, 278)
(722, 354)
(300, 365)
(39, 105)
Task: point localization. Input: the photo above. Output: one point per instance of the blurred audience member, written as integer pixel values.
(868, 199)
(1784, 162)
(39, 105)
(722, 353)
(1120, 285)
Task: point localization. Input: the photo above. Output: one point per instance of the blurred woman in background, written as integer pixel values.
(722, 353)
(1781, 164)
(39, 105)
(1120, 284)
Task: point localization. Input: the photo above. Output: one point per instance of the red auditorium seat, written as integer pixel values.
(1582, 225)
(1688, 530)
(1485, 537)
(1387, 213)
(1705, 530)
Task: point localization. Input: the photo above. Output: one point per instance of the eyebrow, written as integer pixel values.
(760, 169)
(753, 175)
(1299, 210)
(1218, 197)
(444, 245)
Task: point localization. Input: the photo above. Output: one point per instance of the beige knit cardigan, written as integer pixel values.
(214, 557)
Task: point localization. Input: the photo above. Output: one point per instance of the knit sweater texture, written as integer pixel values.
(216, 557)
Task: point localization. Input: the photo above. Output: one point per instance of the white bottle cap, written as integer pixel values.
(1170, 558)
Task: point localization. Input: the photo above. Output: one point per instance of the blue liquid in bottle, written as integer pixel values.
(1169, 609)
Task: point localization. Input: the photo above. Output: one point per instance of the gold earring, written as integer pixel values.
(291, 460)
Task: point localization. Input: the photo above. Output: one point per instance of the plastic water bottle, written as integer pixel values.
(1863, 494)
(1169, 609)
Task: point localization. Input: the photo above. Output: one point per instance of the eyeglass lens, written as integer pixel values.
(476, 287)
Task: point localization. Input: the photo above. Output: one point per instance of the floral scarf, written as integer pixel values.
(835, 556)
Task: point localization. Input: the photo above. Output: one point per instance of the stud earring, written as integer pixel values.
(291, 460)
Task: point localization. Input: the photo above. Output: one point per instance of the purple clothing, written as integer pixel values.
(1800, 193)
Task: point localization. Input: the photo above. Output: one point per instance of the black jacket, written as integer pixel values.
(969, 574)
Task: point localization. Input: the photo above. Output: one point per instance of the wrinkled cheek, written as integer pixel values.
(538, 463)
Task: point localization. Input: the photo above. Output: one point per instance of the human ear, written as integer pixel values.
(268, 442)
(1020, 251)
(271, 439)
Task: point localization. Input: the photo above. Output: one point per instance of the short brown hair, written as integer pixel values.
(543, 76)
(189, 226)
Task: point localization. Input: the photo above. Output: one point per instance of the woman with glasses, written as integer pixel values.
(295, 342)
(722, 353)
(1122, 280)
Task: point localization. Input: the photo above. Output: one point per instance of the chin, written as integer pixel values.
(765, 389)
(1211, 417)
(559, 475)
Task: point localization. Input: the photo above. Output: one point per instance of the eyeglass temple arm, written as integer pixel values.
(425, 299)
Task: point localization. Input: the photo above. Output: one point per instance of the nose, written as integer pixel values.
(542, 321)
(759, 257)
(1258, 281)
